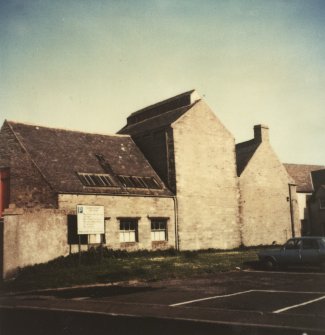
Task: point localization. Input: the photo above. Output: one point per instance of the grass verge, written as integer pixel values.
(107, 266)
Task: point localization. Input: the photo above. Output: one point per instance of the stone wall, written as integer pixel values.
(265, 206)
(31, 237)
(116, 207)
(207, 184)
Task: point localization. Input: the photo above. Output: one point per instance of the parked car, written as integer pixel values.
(308, 250)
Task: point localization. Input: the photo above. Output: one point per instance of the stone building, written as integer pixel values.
(268, 205)
(316, 203)
(51, 171)
(301, 174)
(172, 177)
(195, 155)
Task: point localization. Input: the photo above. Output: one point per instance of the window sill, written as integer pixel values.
(159, 244)
(128, 244)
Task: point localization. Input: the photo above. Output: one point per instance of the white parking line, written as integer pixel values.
(251, 291)
(298, 305)
(210, 298)
(286, 291)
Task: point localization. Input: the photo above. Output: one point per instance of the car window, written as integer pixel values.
(310, 244)
(292, 244)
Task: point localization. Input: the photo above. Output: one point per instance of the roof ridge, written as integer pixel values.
(306, 165)
(139, 111)
(159, 115)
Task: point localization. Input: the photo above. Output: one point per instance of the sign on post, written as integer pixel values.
(90, 220)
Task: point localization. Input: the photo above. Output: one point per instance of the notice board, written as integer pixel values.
(90, 219)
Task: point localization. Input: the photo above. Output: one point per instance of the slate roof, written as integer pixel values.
(244, 153)
(301, 174)
(318, 178)
(156, 122)
(161, 114)
(60, 154)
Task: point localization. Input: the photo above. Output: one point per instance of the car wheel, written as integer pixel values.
(269, 264)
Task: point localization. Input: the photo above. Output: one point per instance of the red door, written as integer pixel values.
(4, 189)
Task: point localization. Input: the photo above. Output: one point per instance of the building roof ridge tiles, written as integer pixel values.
(164, 114)
(157, 104)
(64, 129)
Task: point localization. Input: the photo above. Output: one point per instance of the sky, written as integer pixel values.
(87, 65)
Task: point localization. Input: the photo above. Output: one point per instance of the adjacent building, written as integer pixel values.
(268, 205)
(301, 175)
(317, 203)
(46, 173)
(194, 154)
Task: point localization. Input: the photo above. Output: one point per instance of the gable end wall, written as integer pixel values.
(207, 183)
(265, 209)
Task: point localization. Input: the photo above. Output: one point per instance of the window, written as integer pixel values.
(138, 182)
(293, 244)
(128, 230)
(310, 244)
(322, 203)
(159, 230)
(96, 180)
(73, 237)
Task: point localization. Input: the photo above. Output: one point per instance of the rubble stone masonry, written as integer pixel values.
(116, 207)
(265, 203)
(207, 184)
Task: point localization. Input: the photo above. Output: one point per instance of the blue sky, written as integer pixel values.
(87, 65)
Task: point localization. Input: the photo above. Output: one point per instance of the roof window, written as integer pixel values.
(138, 182)
(96, 180)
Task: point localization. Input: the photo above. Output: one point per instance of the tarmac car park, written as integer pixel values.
(238, 302)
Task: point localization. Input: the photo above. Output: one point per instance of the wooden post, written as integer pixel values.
(79, 249)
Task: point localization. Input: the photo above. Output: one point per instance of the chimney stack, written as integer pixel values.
(261, 133)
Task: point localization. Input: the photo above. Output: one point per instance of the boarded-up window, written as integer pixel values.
(73, 231)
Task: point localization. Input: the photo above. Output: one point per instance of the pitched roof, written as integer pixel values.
(244, 153)
(161, 114)
(60, 154)
(301, 174)
(318, 178)
(155, 122)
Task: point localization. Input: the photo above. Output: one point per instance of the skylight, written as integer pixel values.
(138, 182)
(96, 180)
